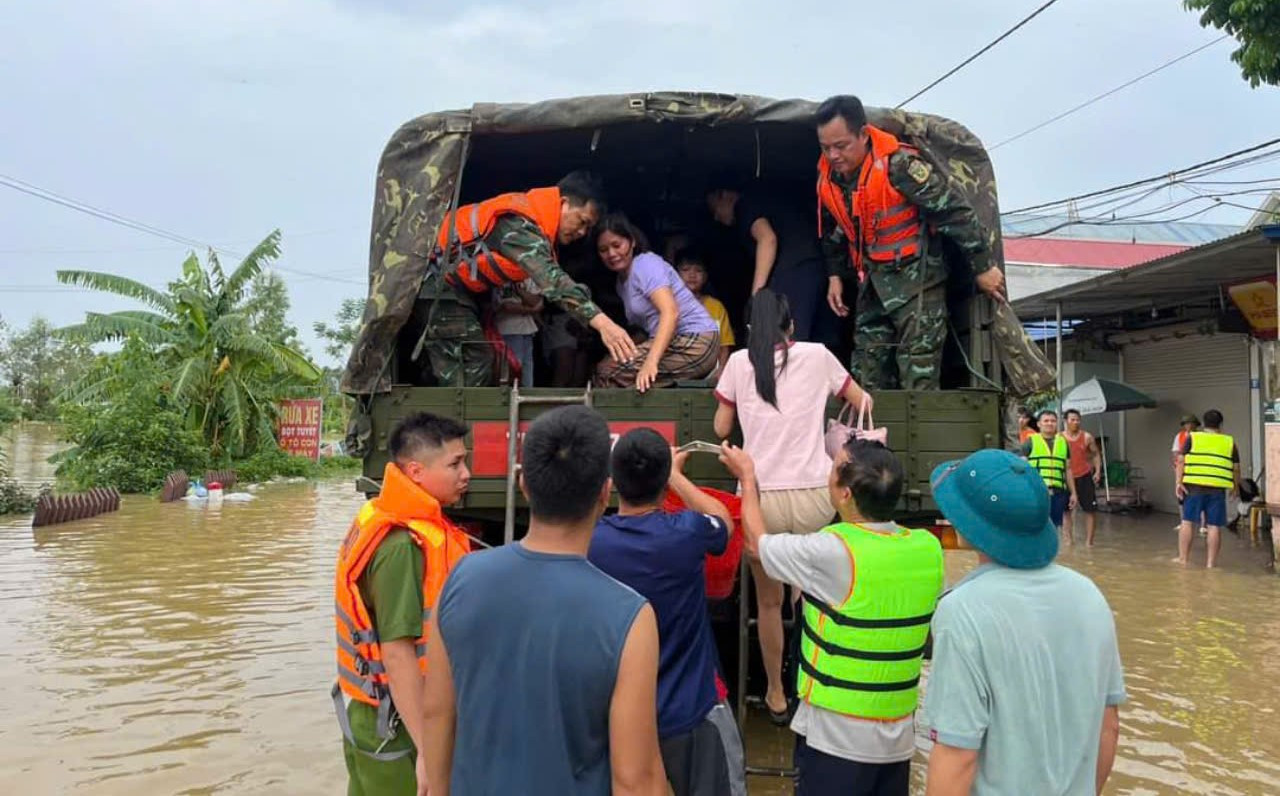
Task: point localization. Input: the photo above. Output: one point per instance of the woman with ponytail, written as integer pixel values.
(777, 390)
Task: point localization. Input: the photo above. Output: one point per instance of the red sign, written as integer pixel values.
(489, 443)
(299, 429)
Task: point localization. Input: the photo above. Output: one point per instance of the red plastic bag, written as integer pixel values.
(722, 570)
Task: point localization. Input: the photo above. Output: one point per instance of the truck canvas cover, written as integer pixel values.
(421, 169)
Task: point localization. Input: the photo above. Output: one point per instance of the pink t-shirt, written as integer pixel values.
(786, 443)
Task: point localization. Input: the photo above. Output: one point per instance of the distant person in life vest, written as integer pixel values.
(391, 569)
(500, 241)
(1050, 456)
(885, 210)
(1208, 470)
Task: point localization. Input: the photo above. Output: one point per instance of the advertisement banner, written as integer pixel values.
(299, 429)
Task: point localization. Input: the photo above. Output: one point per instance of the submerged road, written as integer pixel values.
(170, 649)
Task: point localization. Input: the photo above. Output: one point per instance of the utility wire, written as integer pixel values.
(138, 226)
(1105, 94)
(1168, 176)
(976, 55)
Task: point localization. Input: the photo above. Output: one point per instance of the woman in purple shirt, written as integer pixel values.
(683, 340)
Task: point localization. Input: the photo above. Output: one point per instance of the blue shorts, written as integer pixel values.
(1059, 499)
(1213, 505)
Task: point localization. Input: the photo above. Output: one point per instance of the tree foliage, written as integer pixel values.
(340, 336)
(222, 354)
(37, 367)
(1256, 26)
(137, 436)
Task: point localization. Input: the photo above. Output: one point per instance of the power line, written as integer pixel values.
(976, 55)
(138, 226)
(1168, 176)
(1105, 94)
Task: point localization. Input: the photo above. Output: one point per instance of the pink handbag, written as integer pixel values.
(839, 433)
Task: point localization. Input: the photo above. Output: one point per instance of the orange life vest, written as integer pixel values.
(479, 268)
(362, 674)
(882, 225)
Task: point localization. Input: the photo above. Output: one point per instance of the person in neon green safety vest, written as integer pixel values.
(1050, 456)
(862, 638)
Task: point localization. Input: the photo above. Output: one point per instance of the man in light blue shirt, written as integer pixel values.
(1026, 679)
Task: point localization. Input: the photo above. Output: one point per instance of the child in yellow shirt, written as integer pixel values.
(693, 271)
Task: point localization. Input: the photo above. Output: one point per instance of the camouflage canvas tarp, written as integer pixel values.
(421, 165)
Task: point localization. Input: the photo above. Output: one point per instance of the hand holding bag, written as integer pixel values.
(839, 433)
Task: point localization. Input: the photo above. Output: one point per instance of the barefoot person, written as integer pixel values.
(1208, 469)
(1086, 471)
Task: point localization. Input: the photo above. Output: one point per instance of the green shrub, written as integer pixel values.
(273, 462)
(13, 498)
(131, 445)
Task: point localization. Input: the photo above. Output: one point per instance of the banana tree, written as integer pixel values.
(215, 368)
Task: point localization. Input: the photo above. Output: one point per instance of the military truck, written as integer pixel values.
(655, 153)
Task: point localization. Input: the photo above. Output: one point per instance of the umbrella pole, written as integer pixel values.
(1106, 477)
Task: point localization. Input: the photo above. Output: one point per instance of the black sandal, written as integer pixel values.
(779, 718)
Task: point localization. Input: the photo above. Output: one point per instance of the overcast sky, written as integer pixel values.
(222, 120)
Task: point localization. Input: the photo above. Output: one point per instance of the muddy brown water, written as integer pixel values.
(173, 649)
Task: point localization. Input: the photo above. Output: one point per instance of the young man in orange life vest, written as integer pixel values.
(391, 568)
(883, 211)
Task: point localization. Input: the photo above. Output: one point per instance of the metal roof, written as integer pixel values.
(1181, 278)
(1085, 253)
(1175, 232)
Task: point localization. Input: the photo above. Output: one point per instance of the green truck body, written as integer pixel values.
(925, 429)
(656, 152)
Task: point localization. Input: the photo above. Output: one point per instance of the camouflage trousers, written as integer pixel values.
(453, 339)
(900, 348)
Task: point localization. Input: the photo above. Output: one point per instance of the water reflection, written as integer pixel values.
(168, 649)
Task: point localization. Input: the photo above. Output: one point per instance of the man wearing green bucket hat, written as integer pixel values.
(1026, 677)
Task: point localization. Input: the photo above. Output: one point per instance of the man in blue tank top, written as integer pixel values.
(541, 669)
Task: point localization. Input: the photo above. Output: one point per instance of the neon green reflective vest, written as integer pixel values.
(862, 657)
(1209, 462)
(1052, 465)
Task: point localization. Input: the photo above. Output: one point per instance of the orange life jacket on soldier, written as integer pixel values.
(882, 225)
(479, 268)
(362, 674)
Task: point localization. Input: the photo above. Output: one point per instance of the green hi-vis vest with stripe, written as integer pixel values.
(1209, 462)
(1052, 465)
(862, 657)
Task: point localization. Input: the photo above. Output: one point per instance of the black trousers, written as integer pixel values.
(822, 774)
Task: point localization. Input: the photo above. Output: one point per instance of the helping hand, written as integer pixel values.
(737, 461)
(678, 458)
(620, 345)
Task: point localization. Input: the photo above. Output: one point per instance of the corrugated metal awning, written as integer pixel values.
(1190, 276)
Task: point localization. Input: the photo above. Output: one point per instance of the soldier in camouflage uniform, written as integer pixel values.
(520, 235)
(884, 212)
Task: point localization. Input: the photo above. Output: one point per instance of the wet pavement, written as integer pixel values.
(175, 649)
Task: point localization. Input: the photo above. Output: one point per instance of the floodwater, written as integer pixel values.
(169, 649)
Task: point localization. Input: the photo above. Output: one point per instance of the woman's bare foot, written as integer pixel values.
(1180, 561)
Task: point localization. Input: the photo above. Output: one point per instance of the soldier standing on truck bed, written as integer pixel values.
(501, 241)
(884, 209)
